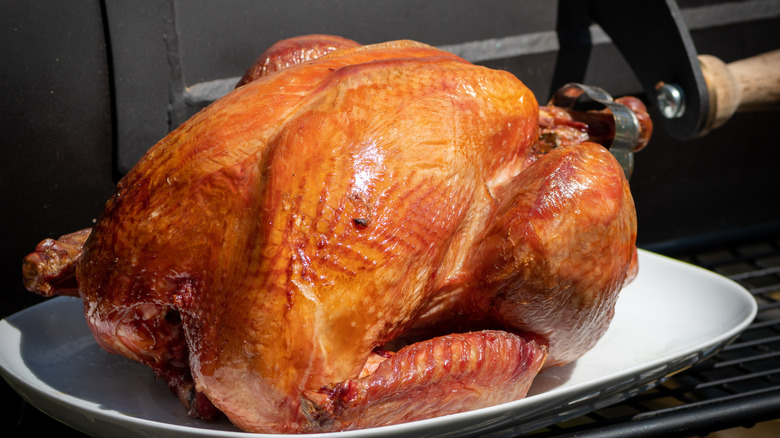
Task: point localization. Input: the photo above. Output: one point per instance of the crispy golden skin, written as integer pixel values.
(267, 255)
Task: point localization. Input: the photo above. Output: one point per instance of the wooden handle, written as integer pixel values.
(751, 84)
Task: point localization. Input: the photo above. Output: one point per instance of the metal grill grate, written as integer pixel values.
(739, 386)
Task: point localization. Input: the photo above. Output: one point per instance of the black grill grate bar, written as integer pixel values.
(713, 365)
(715, 265)
(686, 392)
(687, 420)
(707, 366)
(702, 403)
(756, 273)
(737, 379)
(681, 394)
(762, 324)
(764, 289)
(753, 343)
(733, 257)
(768, 306)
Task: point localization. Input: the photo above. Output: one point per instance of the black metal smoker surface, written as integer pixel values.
(88, 86)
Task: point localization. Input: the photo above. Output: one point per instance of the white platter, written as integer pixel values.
(672, 316)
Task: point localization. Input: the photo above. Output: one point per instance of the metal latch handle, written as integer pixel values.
(626, 136)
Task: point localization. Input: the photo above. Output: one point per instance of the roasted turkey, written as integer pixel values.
(356, 236)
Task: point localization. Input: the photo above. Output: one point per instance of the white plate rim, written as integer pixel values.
(37, 391)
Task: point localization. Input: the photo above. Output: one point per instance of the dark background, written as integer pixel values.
(87, 86)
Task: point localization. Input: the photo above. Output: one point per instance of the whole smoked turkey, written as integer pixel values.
(358, 236)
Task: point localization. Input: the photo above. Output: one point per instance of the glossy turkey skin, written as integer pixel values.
(291, 51)
(377, 196)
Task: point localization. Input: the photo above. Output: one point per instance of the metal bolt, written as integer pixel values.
(671, 101)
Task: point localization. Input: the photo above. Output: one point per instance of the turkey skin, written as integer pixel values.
(366, 236)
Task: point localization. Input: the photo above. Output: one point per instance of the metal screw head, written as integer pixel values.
(671, 100)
